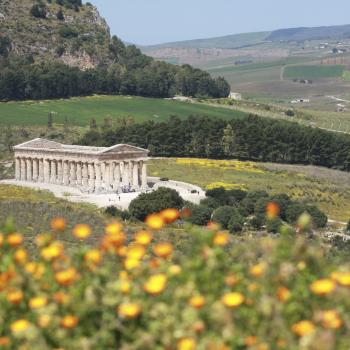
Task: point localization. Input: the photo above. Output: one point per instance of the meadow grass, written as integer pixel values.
(79, 111)
(314, 71)
(330, 195)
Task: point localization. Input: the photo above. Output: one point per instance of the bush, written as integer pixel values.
(148, 203)
(294, 211)
(115, 212)
(319, 219)
(290, 113)
(222, 215)
(164, 179)
(210, 202)
(236, 222)
(200, 214)
(68, 32)
(248, 203)
(274, 225)
(38, 11)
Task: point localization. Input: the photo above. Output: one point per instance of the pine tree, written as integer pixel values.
(228, 140)
(60, 15)
(50, 120)
(93, 124)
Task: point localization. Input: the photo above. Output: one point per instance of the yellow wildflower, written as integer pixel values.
(233, 299)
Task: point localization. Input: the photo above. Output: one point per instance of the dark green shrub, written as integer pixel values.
(153, 202)
(290, 113)
(38, 11)
(236, 223)
(283, 201)
(68, 32)
(200, 214)
(293, 212)
(273, 225)
(222, 215)
(210, 202)
(248, 203)
(319, 219)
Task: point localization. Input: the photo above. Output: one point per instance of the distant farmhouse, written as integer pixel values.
(235, 96)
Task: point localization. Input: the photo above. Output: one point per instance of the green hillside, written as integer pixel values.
(314, 71)
(80, 111)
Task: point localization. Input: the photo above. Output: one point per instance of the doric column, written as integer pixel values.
(65, 172)
(130, 172)
(91, 176)
(144, 175)
(53, 177)
(18, 168)
(116, 177)
(79, 174)
(98, 182)
(23, 169)
(111, 174)
(126, 174)
(35, 170)
(85, 175)
(41, 170)
(135, 175)
(107, 176)
(29, 169)
(46, 171)
(72, 174)
(59, 172)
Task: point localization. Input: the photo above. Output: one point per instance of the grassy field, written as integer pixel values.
(328, 189)
(80, 111)
(314, 71)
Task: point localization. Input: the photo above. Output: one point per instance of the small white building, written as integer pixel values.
(301, 100)
(235, 96)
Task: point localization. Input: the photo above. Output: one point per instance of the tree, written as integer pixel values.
(319, 219)
(236, 222)
(93, 124)
(148, 203)
(222, 215)
(60, 15)
(274, 225)
(38, 11)
(210, 202)
(50, 120)
(200, 214)
(228, 140)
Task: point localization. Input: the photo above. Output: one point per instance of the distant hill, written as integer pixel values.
(236, 41)
(313, 33)
(65, 30)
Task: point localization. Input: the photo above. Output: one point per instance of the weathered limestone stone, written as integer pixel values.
(92, 168)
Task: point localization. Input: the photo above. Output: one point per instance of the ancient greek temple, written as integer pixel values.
(92, 169)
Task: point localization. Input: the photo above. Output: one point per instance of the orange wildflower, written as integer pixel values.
(21, 256)
(231, 280)
(323, 287)
(272, 210)
(69, 321)
(53, 251)
(221, 238)
(258, 270)
(143, 237)
(1, 240)
(186, 213)
(58, 224)
(251, 340)
(15, 297)
(37, 302)
(113, 228)
(233, 299)
(44, 321)
(331, 319)
(82, 231)
(342, 278)
(163, 250)
(283, 294)
(4, 341)
(66, 277)
(155, 221)
(19, 326)
(155, 284)
(303, 328)
(186, 344)
(15, 239)
(129, 310)
(61, 298)
(135, 251)
(93, 257)
(170, 215)
(197, 301)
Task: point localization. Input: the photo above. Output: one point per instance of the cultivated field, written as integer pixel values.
(328, 189)
(313, 71)
(79, 111)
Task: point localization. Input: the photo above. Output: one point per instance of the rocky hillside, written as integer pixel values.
(64, 30)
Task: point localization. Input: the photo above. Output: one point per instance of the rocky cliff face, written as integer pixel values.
(80, 37)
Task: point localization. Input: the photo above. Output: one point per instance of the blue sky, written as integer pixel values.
(158, 21)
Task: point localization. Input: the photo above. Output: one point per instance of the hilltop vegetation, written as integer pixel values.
(250, 138)
(66, 50)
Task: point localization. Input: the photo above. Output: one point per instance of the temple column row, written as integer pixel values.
(109, 175)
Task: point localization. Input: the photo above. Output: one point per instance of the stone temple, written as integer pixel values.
(92, 169)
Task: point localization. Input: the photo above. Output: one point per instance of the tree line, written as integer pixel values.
(248, 138)
(131, 73)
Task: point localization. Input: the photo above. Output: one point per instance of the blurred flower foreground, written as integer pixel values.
(140, 293)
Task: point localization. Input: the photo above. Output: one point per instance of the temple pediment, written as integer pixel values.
(123, 148)
(40, 143)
